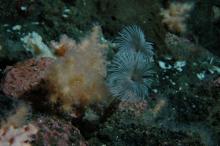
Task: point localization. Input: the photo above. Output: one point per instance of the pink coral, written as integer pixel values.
(24, 76)
(11, 136)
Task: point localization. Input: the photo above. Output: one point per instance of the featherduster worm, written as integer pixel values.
(129, 75)
(132, 38)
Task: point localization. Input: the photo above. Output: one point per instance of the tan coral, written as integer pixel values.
(78, 77)
(175, 16)
(18, 118)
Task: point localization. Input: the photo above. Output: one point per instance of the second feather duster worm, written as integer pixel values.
(130, 73)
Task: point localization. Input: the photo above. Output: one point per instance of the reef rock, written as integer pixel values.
(53, 131)
(138, 107)
(24, 76)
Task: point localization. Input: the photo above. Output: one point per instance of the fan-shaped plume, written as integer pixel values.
(129, 75)
(132, 38)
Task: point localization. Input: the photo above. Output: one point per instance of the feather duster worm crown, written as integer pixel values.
(130, 72)
(133, 38)
(130, 75)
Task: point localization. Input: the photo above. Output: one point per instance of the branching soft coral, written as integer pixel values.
(78, 77)
(174, 17)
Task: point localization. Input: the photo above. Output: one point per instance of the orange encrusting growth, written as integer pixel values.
(77, 78)
(60, 48)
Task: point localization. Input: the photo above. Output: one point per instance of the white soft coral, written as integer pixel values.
(175, 16)
(11, 136)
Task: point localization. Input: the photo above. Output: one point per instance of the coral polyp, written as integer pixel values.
(78, 77)
(130, 75)
(174, 18)
(133, 38)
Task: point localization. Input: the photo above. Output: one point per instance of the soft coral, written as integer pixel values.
(78, 77)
